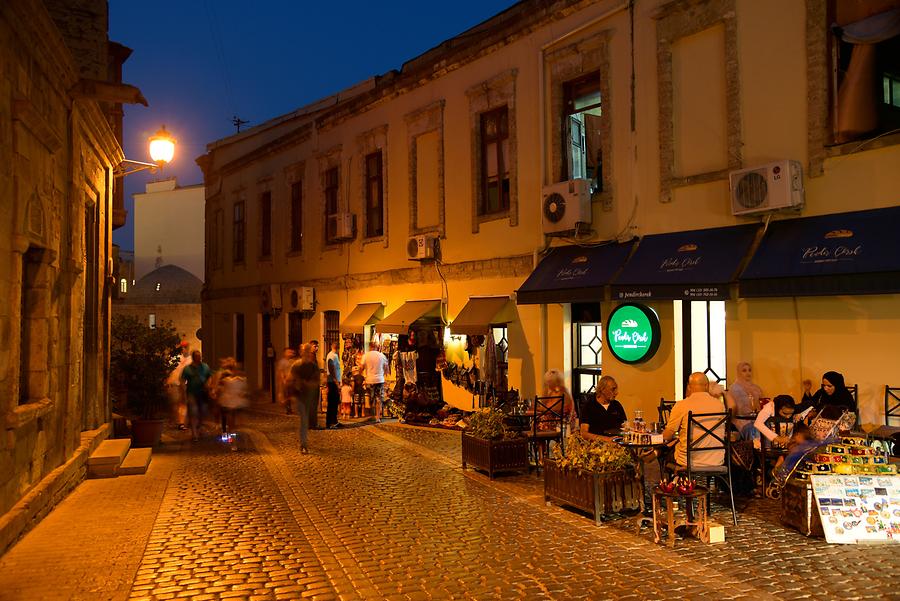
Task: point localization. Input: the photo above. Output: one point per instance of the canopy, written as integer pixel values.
(410, 312)
(363, 315)
(573, 273)
(693, 265)
(481, 312)
(843, 253)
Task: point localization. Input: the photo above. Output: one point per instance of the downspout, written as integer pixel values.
(542, 115)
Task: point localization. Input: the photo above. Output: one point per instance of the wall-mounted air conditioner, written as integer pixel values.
(341, 227)
(302, 298)
(422, 247)
(769, 187)
(270, 298)
(564, 205)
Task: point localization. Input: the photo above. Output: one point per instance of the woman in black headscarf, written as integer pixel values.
(833, 393)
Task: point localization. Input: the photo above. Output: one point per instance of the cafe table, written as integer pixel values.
(637, 450)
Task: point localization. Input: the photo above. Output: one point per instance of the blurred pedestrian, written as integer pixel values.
(333, 366)
(194, 375)
(317, 403)
(173, 388)
(232, 395)
(282, 373)
(303, 387)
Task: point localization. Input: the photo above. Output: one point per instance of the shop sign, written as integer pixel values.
(632, 333)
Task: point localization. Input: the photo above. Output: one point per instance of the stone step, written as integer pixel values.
(105, 461)
(136, 461)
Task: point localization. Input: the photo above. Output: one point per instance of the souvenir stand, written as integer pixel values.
(418, 326)
(480, 364)
(357, 330)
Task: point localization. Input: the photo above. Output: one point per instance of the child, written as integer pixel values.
(346, 397)
(801, 442)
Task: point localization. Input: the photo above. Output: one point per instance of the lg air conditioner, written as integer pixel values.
(769, 187)
(270, 298)
(422, 247)
(302, 298)
(341, 227)
(565, 205)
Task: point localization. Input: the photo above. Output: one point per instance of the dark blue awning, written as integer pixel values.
(844, 253)
(695, 265)
(573, 273)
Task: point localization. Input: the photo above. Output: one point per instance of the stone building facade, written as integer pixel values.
(680, 93)
(60, 108)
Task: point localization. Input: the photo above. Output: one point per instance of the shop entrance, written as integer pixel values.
(699, 341)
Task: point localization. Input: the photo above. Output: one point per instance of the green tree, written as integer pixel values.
(141, 359)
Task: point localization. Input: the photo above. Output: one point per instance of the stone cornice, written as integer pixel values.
(516, 266)
(294, 137)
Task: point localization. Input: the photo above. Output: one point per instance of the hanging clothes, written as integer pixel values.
(489, 370)
(408, 363)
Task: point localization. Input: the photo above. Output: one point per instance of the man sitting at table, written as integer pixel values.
(698, 401)
(605, 415)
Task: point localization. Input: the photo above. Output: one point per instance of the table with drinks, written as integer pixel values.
(638, 438)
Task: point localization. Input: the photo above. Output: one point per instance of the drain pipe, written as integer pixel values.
(542, 114)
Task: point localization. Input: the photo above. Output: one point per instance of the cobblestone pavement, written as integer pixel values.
(386, 512)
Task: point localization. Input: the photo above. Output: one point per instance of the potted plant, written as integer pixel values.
(141, 359)
(488, 444)
(595, 476)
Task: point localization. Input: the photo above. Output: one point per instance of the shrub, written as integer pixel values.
(141, 359)
(591, 455)
(489, 424)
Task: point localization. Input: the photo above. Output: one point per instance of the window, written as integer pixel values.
(296, 217)
(587, 338)
(332, 328)
(265, 222)
(501, 340)
(865, 87)
(151, 321)
(239, 337)
(238, 231)
(295, 329)
(215, 240)
(494, 162)
(123, 285)
(374, 195)
(700, 336)
(332, 196)
(157, 286)
(581, 130)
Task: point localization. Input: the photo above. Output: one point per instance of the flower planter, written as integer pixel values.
(503, 455)
(594, 492)
(146, 432)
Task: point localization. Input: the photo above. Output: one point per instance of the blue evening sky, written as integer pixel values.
(200, 62)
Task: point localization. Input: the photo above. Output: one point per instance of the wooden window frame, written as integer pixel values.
(265, 224)
(374, 206)
(332, 188)
(503, 169)
(238, 233)
(296, 231)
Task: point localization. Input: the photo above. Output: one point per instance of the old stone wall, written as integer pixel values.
(56, 183)
(185, 318)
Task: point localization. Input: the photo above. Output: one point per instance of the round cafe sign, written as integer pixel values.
(632, 333)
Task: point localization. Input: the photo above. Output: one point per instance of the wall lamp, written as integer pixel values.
(162, 150)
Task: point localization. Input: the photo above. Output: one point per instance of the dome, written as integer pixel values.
(168, 284)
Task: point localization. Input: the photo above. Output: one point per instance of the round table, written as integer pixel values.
(636, 450)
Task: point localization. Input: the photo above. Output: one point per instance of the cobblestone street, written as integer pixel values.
(386, 512)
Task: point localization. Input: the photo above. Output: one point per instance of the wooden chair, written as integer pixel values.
(719, 431)
(891, 403)
(664, 410)
(548, 424)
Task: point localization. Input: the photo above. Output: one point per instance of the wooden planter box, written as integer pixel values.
(492, 456)
(596, 493)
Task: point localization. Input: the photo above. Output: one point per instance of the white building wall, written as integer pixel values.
(168, 224)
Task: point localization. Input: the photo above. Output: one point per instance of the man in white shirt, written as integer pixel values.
(698, 401)
(376, 364)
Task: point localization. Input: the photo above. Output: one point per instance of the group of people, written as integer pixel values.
(194, 389)
(603, 417)
(298, 383)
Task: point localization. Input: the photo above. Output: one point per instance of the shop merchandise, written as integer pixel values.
(858, 508)
(408, 366)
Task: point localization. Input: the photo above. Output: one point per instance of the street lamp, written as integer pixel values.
(162, 150)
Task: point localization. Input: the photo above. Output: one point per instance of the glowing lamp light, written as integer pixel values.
(162, 147)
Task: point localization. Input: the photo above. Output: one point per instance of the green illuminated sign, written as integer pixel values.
(632, 333)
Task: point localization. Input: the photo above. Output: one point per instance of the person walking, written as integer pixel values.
(333, 365)
(174, 391)
(232, 396)
(194, 375)
(282, 373)
(303, 388)
(375, 363)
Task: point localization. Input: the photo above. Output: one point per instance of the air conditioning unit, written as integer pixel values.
(769, 187)
(422, 247)
(341, 226)
(302, 298)
(566, 204)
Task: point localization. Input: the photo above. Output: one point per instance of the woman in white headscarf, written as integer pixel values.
(743, 398)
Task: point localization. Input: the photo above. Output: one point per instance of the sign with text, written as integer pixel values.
(632, 333)
(861, 508)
